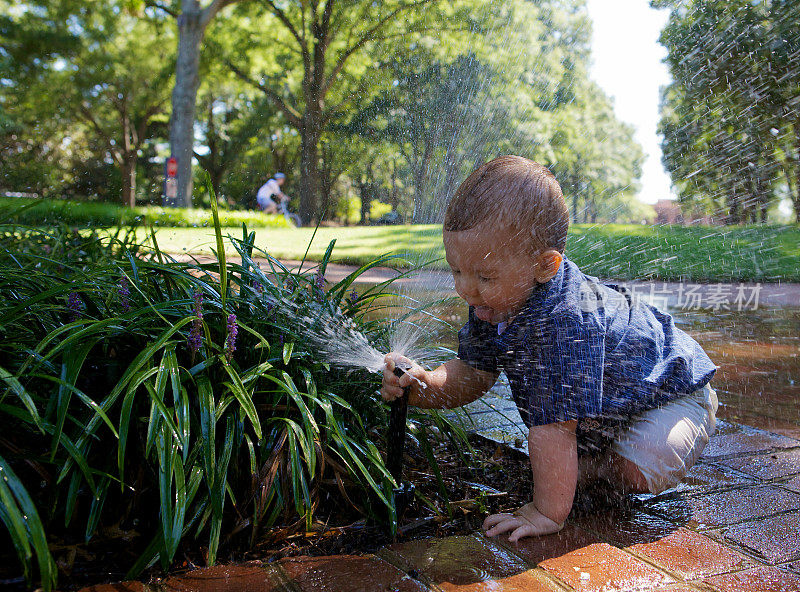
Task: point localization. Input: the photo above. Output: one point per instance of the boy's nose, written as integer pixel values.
(466, 287)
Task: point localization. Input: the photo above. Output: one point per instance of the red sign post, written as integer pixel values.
(171, 182)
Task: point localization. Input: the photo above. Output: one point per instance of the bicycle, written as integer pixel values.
(283, 208)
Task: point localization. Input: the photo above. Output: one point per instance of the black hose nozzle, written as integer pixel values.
(396, 436)
(395, 445)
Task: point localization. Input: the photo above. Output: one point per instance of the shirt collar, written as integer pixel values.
(542, 299)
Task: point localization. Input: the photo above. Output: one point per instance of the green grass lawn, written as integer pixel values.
(626, 252)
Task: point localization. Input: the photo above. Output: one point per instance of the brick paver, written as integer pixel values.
(733, 525)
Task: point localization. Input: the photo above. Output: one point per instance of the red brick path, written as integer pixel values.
(733, 525)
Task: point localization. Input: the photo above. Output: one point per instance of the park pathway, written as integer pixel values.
(709, 295)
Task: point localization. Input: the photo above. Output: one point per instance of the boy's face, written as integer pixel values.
(492, 270)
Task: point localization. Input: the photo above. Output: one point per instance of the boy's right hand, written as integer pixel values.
(393, 385)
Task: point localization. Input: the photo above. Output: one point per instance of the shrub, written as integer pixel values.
(52, 212)
(187, 396)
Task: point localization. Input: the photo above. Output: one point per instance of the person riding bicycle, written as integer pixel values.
(268, 190)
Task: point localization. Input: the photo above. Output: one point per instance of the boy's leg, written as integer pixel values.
(659, 447)
(613, 468)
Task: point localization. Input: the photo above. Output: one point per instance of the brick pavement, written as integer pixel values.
(733, 525)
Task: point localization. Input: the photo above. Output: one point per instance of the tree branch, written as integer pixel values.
(87, 114)
(366, 37)
(159, 6)
(210, 11)
(291, 114)
(286, 22)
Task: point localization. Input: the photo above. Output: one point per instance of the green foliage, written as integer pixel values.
(187, 396)
(730, 136)
(394, 101)
(43, 212)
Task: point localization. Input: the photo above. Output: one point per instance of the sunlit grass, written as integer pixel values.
(614, 251)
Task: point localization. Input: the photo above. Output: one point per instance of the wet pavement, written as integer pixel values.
(732, 525)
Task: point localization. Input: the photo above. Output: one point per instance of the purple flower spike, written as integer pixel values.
(75, 306)
(230, 341)
(353, 297)
(124, 294)
(319, 280)
(196, 334)
(198, 304)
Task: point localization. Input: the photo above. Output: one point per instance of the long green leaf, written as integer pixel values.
(125, 417)
(127, 376)
(33, 528)
(223, 267)
(243, 396)
(16, 387)
(96, 508)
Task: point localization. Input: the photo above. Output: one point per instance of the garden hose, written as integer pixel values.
(395, 446)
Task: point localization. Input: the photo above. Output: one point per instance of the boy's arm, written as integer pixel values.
(452, 384)
(554, 461)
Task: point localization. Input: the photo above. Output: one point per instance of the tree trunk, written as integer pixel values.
(181, 134)
(128, 169)
(310, 205)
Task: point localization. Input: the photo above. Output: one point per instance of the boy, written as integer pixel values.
(609, 389)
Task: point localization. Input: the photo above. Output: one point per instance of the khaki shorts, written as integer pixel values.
(666, 442)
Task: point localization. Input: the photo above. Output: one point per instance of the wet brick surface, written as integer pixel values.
(624, 528)
(534, 550)
(601, 567)
(726, 507)
(761, 579)
(231, 578)
(793, 483)
(691, 555)
(734, 439)
(776, 539)
(773, 465)
(462, 562)
(705, 476)
(749, 541)
(347, 572)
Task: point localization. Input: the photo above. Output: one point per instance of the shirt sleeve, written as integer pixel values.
(477, 344)
(564, 380)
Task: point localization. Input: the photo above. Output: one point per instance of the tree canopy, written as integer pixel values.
(730, 118)
(391, 101)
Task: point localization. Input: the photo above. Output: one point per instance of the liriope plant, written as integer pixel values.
(184, 394)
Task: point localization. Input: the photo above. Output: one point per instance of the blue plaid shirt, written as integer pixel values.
(581, 349)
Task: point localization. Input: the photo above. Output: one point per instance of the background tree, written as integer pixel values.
(322, 59)
(118, 84)
(192, 19)
(729, 119)
(522, 88)
(33, 40)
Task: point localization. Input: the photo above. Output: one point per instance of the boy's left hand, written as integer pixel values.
(527, 521)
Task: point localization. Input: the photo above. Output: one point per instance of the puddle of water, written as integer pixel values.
(758, 354)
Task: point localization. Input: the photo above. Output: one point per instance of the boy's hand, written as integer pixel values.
(527, 521)
(393, 385)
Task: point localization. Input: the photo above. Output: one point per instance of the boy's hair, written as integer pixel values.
(512, 191)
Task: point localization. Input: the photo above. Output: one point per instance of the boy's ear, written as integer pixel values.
(546, 265)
